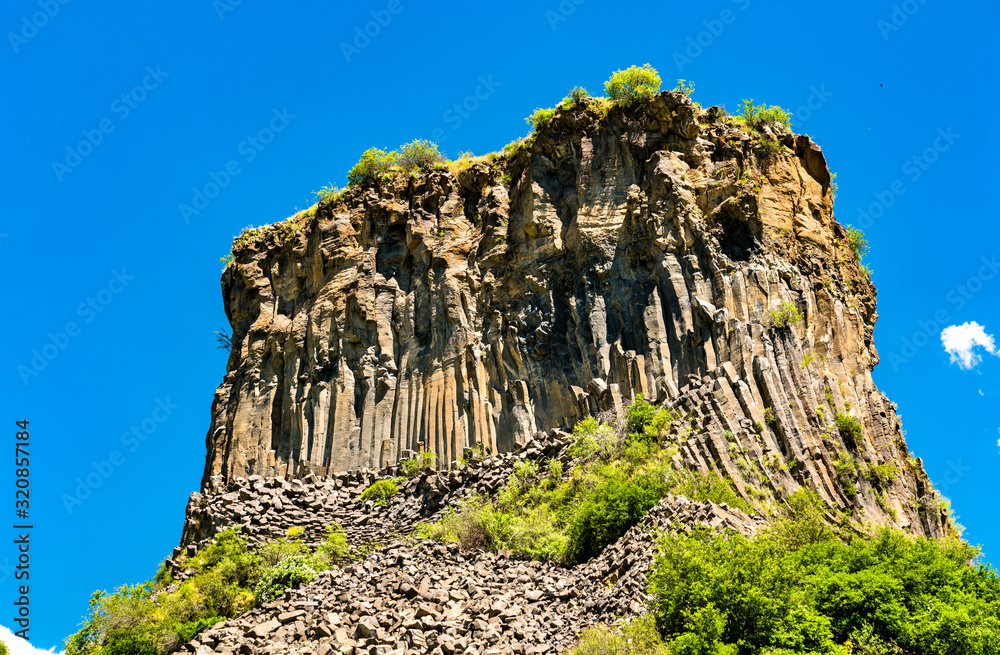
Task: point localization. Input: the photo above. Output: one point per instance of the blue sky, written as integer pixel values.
(117, 113)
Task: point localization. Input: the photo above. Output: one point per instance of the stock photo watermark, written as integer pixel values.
(223, 7)
(122, 107)
(914, 168)
(562, 12)
(130, 440)
(928, 331)
(249, 148)
(697, 44)
(60, 340)
(817, 98)
(899, 16)
(364, 35)
(459, 112)
(30, 25)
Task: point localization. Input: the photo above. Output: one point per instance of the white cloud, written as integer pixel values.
(961, 342)
(18, 646)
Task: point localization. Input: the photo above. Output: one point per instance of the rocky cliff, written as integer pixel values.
(652, 249)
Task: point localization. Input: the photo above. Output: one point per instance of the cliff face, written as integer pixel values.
(642, 251)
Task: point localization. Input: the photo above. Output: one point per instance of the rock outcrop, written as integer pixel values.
(650, 250)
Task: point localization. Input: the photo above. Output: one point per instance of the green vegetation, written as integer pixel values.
(374, 164)
(857, 242)
(685, 87)
(380, 491)
(424, 461)
(633, 83)
(850, 429)
(769, 417)
(881, 476)
(418, 155)
(223, 580)
(804, 586)
(329, 195)
(785, 316)
(757, 116)
(618, 472)
(540, 117)
(3, 649)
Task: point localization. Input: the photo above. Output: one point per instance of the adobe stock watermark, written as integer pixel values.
(60, 340)
(30, 25)
(371, 30)
(817, 98)
(248, 149)
(223, 7)
(459, 112)
(562, 12)
(928, 330)
(914, 168)
(956, 471)
(697, 44)
(122, 107)
(899, 16)
(130, 440)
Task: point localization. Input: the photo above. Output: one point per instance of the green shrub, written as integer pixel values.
(577, 96)
(685, 87)
(785, 316)
(793, 590)
(3, 649)
(632, 83)
(850, 429)
(289, 572)
(334, 547)
(769, 417)
(637, 637)
(615, 506)
(374, 164)
(881, 476)
(273, 552)
(380, 491)
(188, 631)
(424, 461)
(329, 195)
(857, 242)
(592, 439)
(130, 641)
(708, 486)
(418, 155)
(540, 117)
(757, 116)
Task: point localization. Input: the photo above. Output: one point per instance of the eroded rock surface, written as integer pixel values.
(645, 251)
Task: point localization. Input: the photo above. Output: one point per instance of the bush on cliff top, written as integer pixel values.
(632, 83)
(374, 164)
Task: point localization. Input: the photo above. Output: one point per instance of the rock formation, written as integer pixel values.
(651, 250)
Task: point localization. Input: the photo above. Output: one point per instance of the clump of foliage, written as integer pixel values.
(633, 83)
(857, 242)
(785, 316)
(380, 491)
(799, 588)
(881, 476)
(850, 429)
(577, 96)
(757, 116)
(540, 117)
(374, 164)
(685, 87)
(288, 572)
(619, 470)
(418, 155)
(224, 579)
(769, 417)
(329, 195)
(637, 637)
(424, 461)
